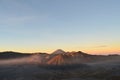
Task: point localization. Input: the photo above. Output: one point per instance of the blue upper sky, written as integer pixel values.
(46, 25)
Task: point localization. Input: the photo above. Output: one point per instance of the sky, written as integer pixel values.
(91, 26)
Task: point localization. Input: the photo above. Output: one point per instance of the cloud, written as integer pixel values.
(101, 46)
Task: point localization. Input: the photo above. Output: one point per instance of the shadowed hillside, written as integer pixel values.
(60, 66)
(11, 55)
(60, 57)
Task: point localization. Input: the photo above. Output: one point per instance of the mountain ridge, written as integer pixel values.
(58, 57)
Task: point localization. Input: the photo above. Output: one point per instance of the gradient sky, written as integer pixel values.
(92, 26)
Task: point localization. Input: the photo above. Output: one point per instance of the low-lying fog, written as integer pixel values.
(29, 68)
(29, 60)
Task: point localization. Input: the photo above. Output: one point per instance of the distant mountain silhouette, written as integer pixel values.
(59, 51)
(58, 57)
(11, 55)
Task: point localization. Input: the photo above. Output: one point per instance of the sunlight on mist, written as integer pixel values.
(33, 59)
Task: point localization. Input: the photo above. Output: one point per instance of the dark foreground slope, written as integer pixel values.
(37, 72)
(92, 71)
(64, 66)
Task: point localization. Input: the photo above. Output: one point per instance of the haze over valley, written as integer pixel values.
(84, 32)
(59, 65)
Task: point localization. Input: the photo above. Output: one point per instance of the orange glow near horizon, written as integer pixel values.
(31, 26)
(111, 48)
(107, 50)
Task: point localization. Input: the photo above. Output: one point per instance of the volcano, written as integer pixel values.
(59, 51)
(59, 59)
